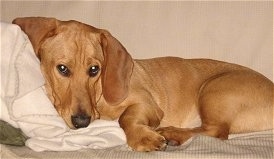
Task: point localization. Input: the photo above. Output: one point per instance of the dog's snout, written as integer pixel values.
(80, 120)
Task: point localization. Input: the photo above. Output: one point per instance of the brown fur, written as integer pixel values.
(156, 100)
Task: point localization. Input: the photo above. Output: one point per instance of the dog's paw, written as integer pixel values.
(174, 136)
(146, 140)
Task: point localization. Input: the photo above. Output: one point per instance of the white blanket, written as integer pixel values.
(24, 103)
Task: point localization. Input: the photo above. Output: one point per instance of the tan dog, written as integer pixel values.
(90, 75)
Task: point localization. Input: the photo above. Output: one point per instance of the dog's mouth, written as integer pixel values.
(77, 113)
(79, 119)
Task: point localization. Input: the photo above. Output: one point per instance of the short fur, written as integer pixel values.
(158, 101)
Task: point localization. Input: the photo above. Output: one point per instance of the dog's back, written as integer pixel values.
(179, 87)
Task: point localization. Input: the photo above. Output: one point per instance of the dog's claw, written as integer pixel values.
(173, 143)
(163, 146)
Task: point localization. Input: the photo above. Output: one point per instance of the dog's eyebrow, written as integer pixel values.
(92, 61)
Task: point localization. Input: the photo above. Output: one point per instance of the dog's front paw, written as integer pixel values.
(145, 139)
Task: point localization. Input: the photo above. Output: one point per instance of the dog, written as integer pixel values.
(161, 101)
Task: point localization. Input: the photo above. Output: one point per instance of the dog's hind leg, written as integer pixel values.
(177, 136)
(236, 102)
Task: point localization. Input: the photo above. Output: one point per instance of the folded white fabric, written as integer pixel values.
(24, 103)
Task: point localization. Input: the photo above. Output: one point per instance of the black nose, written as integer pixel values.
(80, 120)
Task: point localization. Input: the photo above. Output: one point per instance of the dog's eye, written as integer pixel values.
(93, 71)
(63, 70)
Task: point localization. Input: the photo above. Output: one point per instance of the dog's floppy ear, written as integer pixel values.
(37, 29)
(117, 70)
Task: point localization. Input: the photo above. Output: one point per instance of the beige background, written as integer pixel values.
(238, 32)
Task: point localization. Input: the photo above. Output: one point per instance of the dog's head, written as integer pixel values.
(80, 64)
